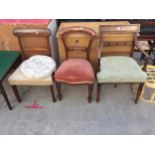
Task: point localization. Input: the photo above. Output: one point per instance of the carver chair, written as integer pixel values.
(116, 65)
(76, 68)
(32, 42)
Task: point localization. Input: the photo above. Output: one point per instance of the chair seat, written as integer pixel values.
(75, 71)
(120, 69)
(18, 78)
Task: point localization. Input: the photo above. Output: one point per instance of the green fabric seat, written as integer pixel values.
(120, 69)
(7, 58)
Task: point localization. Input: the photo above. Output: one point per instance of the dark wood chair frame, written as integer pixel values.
(132, 29)
(28, 32)
(76, 30)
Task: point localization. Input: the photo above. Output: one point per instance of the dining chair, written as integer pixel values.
(76, 68)
(32, 42)
(116, 64)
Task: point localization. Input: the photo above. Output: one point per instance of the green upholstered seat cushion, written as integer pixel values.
(120, 69)
(7, 58)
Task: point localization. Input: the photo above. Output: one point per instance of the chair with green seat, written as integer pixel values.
(116, 65)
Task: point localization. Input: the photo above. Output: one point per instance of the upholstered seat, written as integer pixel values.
(37, 66)
(18, 78)
(75, 71)
(120, 69)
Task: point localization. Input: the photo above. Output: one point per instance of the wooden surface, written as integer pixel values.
(95, 45)
(118, 39)
(33, 41)
(7, 40)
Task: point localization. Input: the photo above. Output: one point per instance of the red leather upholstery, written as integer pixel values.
(75, 71)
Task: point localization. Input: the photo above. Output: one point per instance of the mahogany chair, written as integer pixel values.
(32, 42)
(116, 65)
(76, 68)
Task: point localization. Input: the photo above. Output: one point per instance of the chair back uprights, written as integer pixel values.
(33, 41)
(77, 39)
(117, 39)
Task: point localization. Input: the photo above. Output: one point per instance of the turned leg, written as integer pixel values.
(5, 96)
(98, 92)
(58, 85)
(15, 90)
(90, 91)
(139, 92)
(53, 94)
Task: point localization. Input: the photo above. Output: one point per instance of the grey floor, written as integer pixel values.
(115, 114)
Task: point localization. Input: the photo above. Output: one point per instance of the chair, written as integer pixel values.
(32, 42)
(117, 65)
(76, 68)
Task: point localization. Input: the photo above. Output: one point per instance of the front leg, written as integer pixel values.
(58, 86)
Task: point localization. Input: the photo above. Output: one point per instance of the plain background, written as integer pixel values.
(77, 9)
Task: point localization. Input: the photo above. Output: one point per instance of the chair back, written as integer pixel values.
(77, 41)
(117, 39)
(33, 41)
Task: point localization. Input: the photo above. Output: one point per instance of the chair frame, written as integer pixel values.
(76, 30)
(34, 32)
(120, 29)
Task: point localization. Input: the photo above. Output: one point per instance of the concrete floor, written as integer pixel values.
(115, 114)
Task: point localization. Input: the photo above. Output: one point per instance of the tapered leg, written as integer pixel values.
(139, 92)
(98, 92)
(58, 85)
(53, 94)
(5, 96)
(90, 91)
(15, 90)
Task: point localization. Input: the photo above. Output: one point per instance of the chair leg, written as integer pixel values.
(5, 96)
(58, 86)
(90, 91)
(15, 90)
(115, 85)
(98, 92)
(53, 94)
(139, 92)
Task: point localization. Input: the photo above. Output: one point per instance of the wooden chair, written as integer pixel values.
(32, 42)
(117, 66)
(76, 70)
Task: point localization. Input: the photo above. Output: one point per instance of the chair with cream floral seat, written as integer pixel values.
(38, 65)
(116, 65)
(76, 69)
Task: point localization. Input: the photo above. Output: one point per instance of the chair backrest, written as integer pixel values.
(33, 41)
(77, 40)
(117, 39)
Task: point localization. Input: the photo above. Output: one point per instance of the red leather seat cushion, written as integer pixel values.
(75, 71)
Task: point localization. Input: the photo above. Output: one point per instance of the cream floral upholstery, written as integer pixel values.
(120, 69)
(18, 78)
(37, 70)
